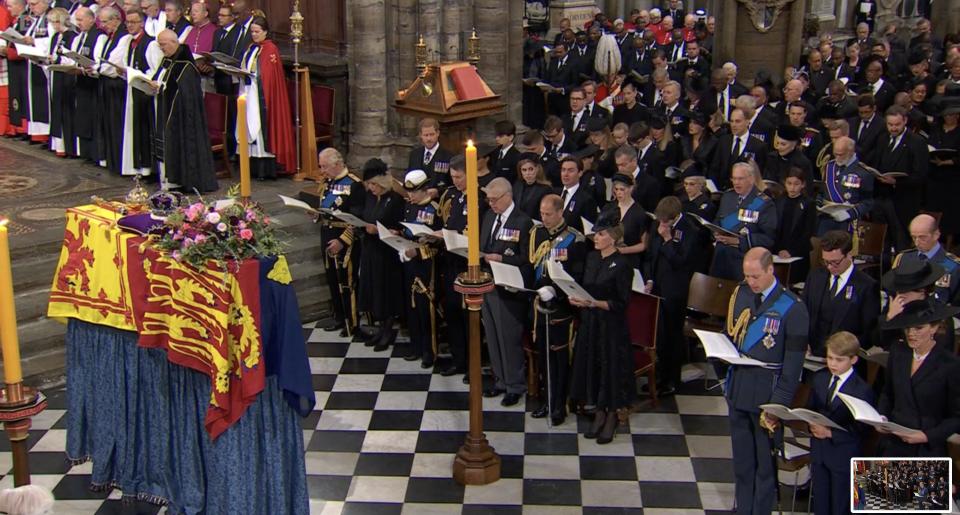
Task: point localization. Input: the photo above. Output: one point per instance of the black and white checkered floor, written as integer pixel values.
(385, 431)
(877, 503)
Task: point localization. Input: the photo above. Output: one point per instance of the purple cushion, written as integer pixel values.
(142, 224)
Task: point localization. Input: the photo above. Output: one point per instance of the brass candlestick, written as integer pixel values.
(296, 31)
(421, 54)
(473, 48)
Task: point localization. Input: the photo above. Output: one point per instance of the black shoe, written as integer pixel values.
(540, 412)
(385, 340)
(609, 428)
(466, 378)
(451, 370)
(557, 417)
(493, 392)
(666, 390)
(510, 399)
(334, 325)
(598, 419)
(371, 340)
(426, 364)
(411, 357)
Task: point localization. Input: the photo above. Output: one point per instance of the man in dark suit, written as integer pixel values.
(671, 110)
(584, 54)
(866, 128)
(748, 213)
(760, 126)
(840, 297)
(831, 450)
(874, 83)
(559, 143)
(763, 111)
(505, 237)
(646, 188)
(693, 64)
(504, 162)
(768, 323)
(563, 74)
(719, 96)
(225, 42)
(900, 150)
(575, 123)
(670, 263)
(650, 160)
(578, 202)
(820, 76)
(639, 58)
(241, 13)
(429, 156)
(735, 147)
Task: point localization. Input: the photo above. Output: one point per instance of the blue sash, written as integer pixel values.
(732, 219)
(830, 179)
(948, 264)
(755, 330)
(330, 197)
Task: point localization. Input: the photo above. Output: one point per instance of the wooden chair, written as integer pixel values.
(215, 107)
(324, 112)
(709, 297)
(642, 315)
(869, 246)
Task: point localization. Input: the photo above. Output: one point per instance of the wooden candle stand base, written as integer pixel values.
(18, 404)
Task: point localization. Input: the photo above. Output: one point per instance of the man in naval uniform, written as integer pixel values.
(341, 190)
(846, 181)
(768, 323)
(749, 213)
(554, 240)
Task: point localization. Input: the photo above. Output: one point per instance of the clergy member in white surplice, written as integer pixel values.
(142, 61)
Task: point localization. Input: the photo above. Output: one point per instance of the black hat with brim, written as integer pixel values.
(911, 276)
(607, 220)
(921, 312)
(373, 168)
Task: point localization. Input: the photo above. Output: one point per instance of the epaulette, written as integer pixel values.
(355, 177)
(896, 259)
(811, 129)
(435, 204)
(764, 195)
(577, 235)
(952, 257)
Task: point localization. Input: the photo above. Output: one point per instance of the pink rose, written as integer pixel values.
(176, 255)
(242, 225)
(246, 234)
(201, 238)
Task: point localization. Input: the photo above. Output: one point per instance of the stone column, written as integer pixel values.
(498, 24)
(451, 30)
(366, 51)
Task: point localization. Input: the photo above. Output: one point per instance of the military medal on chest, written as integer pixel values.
(771, 326)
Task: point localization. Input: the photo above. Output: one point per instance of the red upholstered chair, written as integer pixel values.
(324, 107)
(215, 106)
(642, 316)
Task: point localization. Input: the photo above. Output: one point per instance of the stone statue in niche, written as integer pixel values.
(764, 13)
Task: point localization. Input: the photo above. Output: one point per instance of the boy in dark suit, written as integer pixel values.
(831, 449)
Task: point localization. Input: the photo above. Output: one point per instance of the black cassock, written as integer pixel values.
(17, 79)
(113, 101)
(86, 122)
(142, 107)
(36, 102)
(63, 96)
(380, 274)
(181, 141)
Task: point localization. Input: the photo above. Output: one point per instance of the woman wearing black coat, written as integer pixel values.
(922, 387)
(530, 188)
(380, 284)
(602, 360)
(699, 144)
(796, 223)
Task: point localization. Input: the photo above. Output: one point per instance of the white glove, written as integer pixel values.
(547, 293)
(403, 256)
(841, 216)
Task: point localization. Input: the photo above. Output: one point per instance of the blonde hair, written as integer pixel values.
(843, 343)
(58, 14)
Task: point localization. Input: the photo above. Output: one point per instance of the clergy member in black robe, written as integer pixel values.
(87, 101)
(17, 70)
(112, 89)
(143, 55)
(181, 144)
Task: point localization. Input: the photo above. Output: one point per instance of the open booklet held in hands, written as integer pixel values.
(714, 228)
(718, 346)
(508, 276)
(803, 414)
(562, 279)
(862, 411)
(455, 242)
(399, 243)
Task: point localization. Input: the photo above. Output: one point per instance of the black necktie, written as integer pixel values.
(758, 299)
(736, 147)
(922, 257)
(834, 284)
(496, 227)
(893, 144)
(833, 388)
(863, 125)
(563, 196)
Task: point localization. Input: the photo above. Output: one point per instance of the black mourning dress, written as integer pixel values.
(380, 273)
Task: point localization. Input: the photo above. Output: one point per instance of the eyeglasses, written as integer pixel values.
(834, 262)
(494, 200)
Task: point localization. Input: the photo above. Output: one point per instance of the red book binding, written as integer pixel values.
(468, 83)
